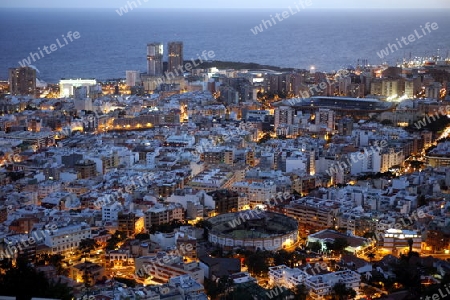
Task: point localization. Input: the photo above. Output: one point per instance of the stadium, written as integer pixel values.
(253, 230)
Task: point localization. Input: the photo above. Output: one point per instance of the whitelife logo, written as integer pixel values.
(187, 67)
(442, 111)
(124, 9)
(355, 157)
(411, 38)
(302, 4)
(49, 49)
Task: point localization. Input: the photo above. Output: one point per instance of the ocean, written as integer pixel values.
(110, 44)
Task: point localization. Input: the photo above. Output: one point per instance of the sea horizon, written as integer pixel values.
(111, 44)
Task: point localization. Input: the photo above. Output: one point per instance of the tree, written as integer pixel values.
(314, 246)
(116, 238)
(54, 260)
(87, 245)
(24, 282)
(370, 256)
(407, 274)
(258, 262)
(410, 244)
(339, 245)
(368, 290)
(301, 292)
(342, 292)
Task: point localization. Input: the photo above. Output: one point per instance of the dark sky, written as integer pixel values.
(335, 4)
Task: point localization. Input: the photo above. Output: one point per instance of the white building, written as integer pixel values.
(286, 277)
(397, 240)
(326, 117)
(284, 115)
(256, 192)
(297, 161)
(48, 187)
(132, 77)
(196, 196)
(110, 211)
(391, 157)
(66, 86)
(365, 161)
(321, 285)
(67, 239)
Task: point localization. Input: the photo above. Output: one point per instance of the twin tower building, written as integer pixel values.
(155, 55)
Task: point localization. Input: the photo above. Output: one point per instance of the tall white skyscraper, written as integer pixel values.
(155, 59)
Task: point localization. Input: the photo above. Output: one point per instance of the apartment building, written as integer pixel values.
(313, 212)
(163, 272)
(286, 277)
(110, 211)
(257, 192)
(130, 223)
(322, 285)
(161, 214)
(67, 238)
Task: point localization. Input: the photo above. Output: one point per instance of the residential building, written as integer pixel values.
(130, 223)
(67, 238)
(161, 214)
(22, 81)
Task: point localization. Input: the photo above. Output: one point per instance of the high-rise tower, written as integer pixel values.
(22, 81)
(175, 50)
(155, 59)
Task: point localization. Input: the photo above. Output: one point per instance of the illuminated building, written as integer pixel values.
(175, 56)
(132, 77)
(67, 87)
(22, 81)
(85, 169)
(155, 59)
(397, 240)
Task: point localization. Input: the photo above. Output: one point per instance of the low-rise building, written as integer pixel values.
(399, 241)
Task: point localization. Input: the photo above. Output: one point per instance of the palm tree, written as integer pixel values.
(410, 244)
(370, 256)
